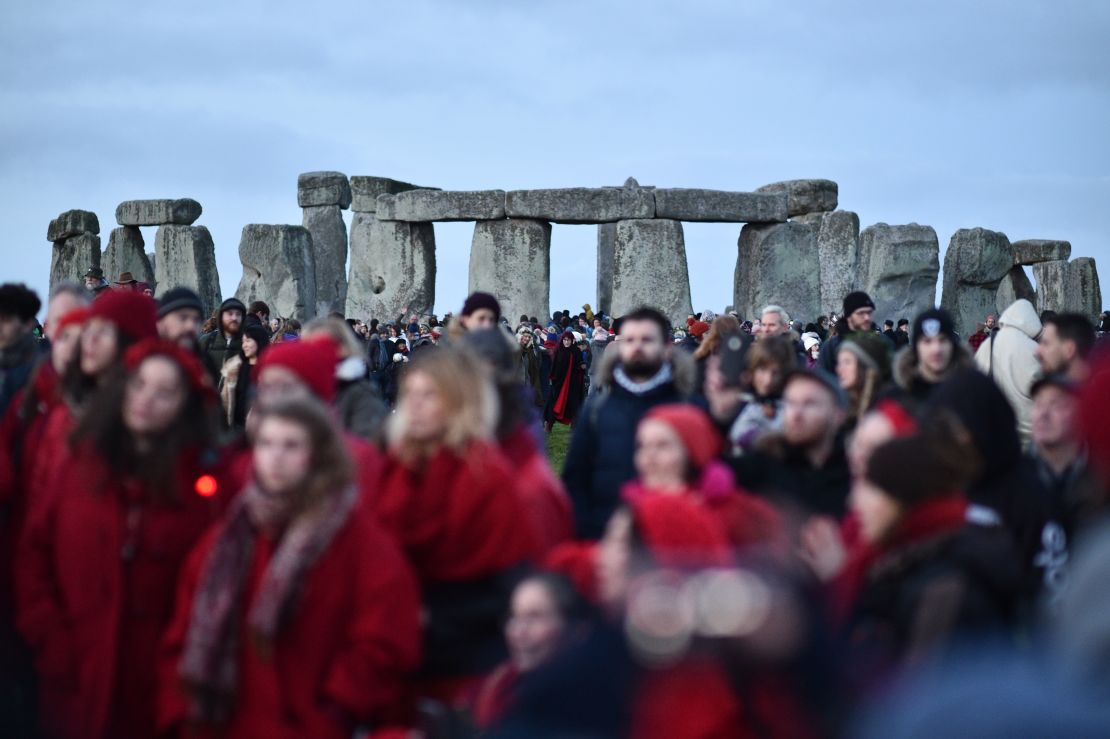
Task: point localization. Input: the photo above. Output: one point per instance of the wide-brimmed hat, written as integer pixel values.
(126, 278)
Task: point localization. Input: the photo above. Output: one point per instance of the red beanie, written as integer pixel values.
(312, 360)
(698, 434)
(75, 317)
(900, 419)
(678, 532)
(699, 328)
(135, 315)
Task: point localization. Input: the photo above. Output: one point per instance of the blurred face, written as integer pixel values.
(660, 456)
(91, 283)
(1054, 417)
(810, 415)
(182, 327)
(877, 512)
(479, 319)
(423, 405)
(231, 320)
(282, 455)
(276, 383)
(99, 346)
(766, 379)
(154, 396)
(815, 351)
(847, 369)
(534, 628)
(773, 324)
(250, 347)
(860, 319)
(872, 430)
(526, 339)
(990, 322)
(60, 304)
(757, 328)
(568, 342)
(63, 347)
(12, 329)
(642, 348)
(934, 354)
(1053, 354)
(613, 558)
(275, 324)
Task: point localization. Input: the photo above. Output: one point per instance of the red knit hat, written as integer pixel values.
(135, 315)
(698, 434)
(678, 532)
(898, 417)
(195, 374)
(699, 328)
(75, 317)
(312, 360)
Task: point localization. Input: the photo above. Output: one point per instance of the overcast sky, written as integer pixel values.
(947, 113)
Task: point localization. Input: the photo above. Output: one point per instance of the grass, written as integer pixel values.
(557, 443)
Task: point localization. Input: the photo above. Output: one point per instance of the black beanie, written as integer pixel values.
(934, 322)
(479, 300)
(853, 301)
(177, 298)
(233, 304)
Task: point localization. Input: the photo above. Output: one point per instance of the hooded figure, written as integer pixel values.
(1008, 356)
(568, 382)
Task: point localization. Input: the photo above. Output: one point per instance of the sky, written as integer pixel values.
(946, 113)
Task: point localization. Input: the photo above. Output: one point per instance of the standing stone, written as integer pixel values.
(72, 223)
(511, 259)
(152, 260)
(776, 266)
(1084, 294)
(1033, 251)
(185, 256)
(974, 265)
(323, 188)
(73, 257)
(180, 212)
(1015, 286)
(1052, 284)
(126, 252)
(329, 242)
(898, 268)
(393, 268)
(806, 196)
(606, 247)
(838, 249)
(279, 268)
(649, 268)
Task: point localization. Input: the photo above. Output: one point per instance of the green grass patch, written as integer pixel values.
(558, 441)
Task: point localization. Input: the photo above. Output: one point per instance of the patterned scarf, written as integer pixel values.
(209, 668)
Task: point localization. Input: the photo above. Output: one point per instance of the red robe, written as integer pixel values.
(95, 577)
(346, 654)
(540, 490)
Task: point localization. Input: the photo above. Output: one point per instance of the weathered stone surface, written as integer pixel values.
(1084, 295)
(581, 204)
(393, 268)
(365, 191)
(1014, 286)
(323, 188)
(649, 268)
(181, 212)
(126, 252)
(606, 248)
(72, 223)
(186, 256)
(442, 205)
(898, 268)
(776, 266)
(975, 263)
(805, 196)
(838, 248)
(1052, 284)
(511, 260)
(720, 205)
(152, 259)
(1032, 251)
(329, 246)
(72, 258)
(279, 267)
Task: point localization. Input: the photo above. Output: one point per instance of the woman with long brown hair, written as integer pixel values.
(297, 615)
(447, 494)
(102, 547)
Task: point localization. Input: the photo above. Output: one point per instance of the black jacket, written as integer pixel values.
(781, 472)
(215, 349)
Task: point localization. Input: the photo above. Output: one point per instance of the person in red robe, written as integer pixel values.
(297, 615)
(101, 548)
(568, 383)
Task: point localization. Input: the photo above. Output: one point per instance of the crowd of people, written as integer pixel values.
(235, 525)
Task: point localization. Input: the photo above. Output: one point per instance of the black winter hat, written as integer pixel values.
(16, 299)
(871, 349)
(479, 300)
(233, 304)
(177, 298)
(932, 323)
(853, 301)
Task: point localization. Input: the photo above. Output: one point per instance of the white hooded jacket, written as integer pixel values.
(1012, 362)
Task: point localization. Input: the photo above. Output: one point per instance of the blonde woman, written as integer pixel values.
(448, 495)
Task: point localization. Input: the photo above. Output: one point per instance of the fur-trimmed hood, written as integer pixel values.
(682, 365)
(907, 375)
